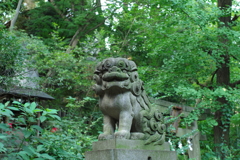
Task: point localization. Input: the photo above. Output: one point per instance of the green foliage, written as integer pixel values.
(18, 139)
(86, 110)
(7, 7)
(79, 128)
(74, 135)
(17, 52)
(64, 75)
(21, 140)
(176, 45)
(70, 16)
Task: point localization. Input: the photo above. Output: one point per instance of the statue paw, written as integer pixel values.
(137, 136)
(122, 135)
(105, 136)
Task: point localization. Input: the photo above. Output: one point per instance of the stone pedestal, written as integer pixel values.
(117, 149)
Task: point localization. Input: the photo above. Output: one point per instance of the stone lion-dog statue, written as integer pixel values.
(127, 111)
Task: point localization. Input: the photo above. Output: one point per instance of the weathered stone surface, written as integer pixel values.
(128, 144)
(140, 131)
(123, 149)
(123, 102)
(130, 154)
(195, 153)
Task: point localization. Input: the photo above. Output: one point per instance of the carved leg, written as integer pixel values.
(125, 123)
(108, 128)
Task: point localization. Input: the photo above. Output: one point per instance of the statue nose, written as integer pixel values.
(114, 69)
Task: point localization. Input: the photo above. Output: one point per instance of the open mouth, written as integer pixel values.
(115, 76)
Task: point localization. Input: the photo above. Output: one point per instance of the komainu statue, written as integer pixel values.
(127, 111)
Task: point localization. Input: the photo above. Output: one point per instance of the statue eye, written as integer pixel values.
(108, 64)
(121, 64)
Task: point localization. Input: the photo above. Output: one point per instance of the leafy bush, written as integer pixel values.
(59, 139)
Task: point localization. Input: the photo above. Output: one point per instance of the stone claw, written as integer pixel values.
(122, 135)
(105, 136)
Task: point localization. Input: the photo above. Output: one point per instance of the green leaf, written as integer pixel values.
(40, 148)
(27, 133)
(33, 105)
(13, 108)
(44, 113)
(55, 117)
(2, 106)
(51, 111)
(29, 111)
(4, 127)
(2, 148)
(7, 103)
(17, 103)
(24, 155)
(46, 156)
(29, 150)
(2, 136)
(37, 128)
(31, 119)
(7, 113)
(42, 118)
(89, 99)
(26, 104)
(22, 120)
(37, 110)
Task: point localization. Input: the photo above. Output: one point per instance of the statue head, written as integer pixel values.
(117, 73)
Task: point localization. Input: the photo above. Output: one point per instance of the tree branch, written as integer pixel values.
(235, 18)
(206, 84)
(81, 29)
(191, 18)
(213, 75)
(234, 84)
(124, 40)
(234, 57)
(200, 84)
(16, 15)
(96, 26)
(75, 38)
(58, 11)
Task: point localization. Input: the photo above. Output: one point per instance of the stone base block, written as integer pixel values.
(122, 149)
(130, 154)
(128, 144)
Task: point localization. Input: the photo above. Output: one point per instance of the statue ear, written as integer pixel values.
(134, 76)
(98, 68)
(137, 88)
(97, 79)
(132, 66)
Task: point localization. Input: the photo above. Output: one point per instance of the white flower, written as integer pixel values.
(189, 144)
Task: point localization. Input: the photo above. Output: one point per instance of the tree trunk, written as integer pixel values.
(16, 15)
(221, 131)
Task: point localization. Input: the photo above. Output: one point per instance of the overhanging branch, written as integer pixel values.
(235, 18)
(59, 11)
(200, 84)
(213, 75)
(234, 57)
(234, 84)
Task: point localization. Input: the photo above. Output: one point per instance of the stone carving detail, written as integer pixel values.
(125, 105)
